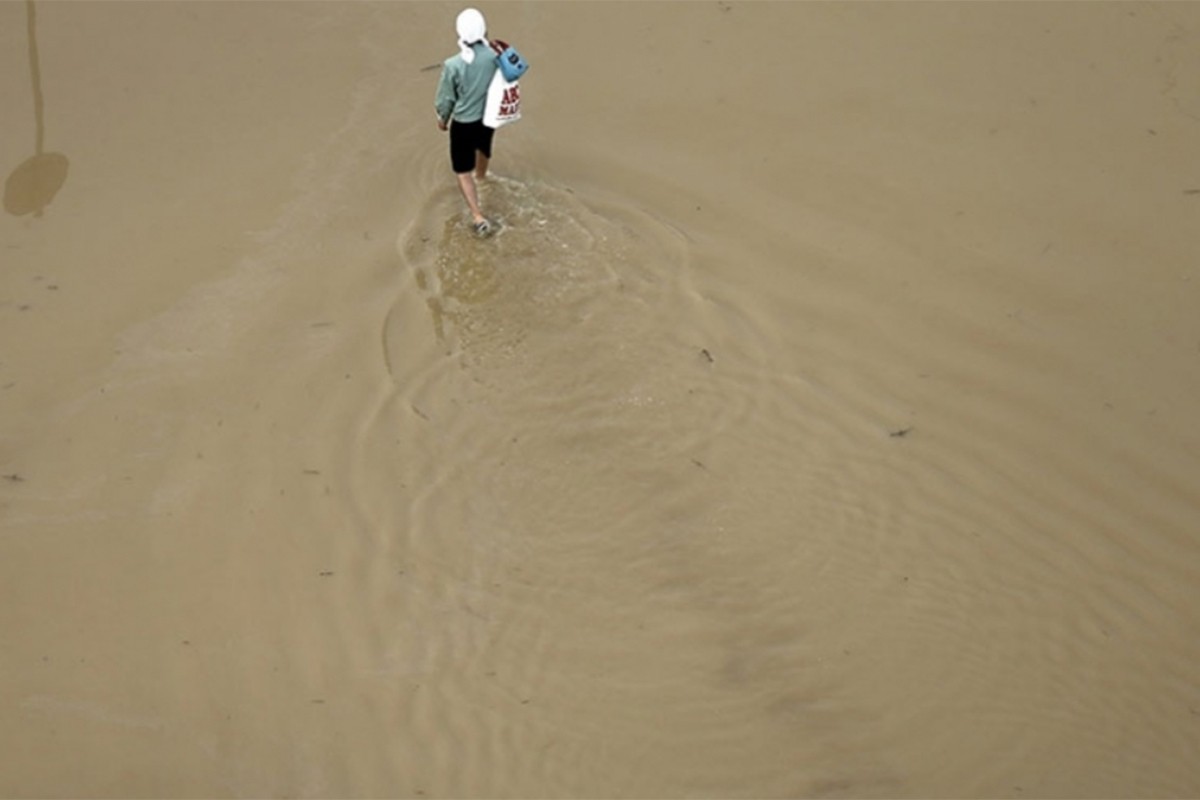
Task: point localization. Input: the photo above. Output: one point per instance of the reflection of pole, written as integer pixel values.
(36, 72)
(33, 184)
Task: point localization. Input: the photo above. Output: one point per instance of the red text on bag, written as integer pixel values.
(511, 100)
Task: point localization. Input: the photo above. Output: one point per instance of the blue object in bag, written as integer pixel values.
(512, 65)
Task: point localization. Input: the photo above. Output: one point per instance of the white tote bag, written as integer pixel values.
(503, 102)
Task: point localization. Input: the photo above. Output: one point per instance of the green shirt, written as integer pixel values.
(462, 89)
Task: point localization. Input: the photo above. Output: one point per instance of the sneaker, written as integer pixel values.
(484, 228)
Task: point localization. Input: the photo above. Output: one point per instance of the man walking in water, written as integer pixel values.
(461, 96)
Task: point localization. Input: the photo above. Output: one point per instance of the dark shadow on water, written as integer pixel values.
(34, 183)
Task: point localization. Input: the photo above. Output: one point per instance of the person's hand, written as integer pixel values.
(442, 124)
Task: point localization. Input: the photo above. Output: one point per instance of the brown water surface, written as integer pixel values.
(821, 422)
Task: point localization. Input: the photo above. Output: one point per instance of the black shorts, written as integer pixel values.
(465, 139)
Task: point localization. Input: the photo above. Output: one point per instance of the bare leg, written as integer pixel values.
(481, 165)
(467, 184)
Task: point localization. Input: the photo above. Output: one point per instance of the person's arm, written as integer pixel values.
(446, 97)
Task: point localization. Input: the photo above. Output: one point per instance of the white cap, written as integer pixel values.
(471, 29)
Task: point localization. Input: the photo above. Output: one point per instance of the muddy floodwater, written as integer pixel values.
(822, 421)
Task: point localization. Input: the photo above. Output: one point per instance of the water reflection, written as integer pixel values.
(34, 183)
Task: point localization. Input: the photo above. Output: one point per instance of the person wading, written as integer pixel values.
(461, 95)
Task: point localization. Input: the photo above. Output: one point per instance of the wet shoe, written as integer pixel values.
(484, 228)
